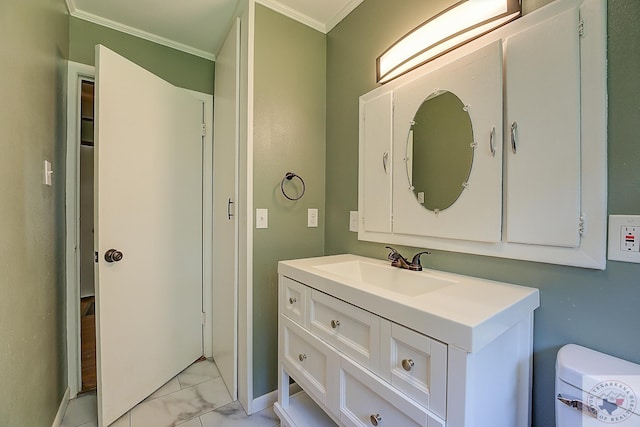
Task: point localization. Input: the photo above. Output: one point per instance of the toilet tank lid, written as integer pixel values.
(574, 362)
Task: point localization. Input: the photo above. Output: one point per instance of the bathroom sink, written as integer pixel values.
(405, 282)
(466, 311)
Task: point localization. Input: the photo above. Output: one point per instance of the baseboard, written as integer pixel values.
(57, 422)
(267, 400)
(264, 401)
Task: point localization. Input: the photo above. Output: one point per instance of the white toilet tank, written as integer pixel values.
(596, 390)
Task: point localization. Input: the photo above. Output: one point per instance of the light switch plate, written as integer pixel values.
(353, 221)
(312, 217)
(624, 238)
(46, 180)
(262, 218)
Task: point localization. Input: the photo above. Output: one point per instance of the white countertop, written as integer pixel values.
(463, 311)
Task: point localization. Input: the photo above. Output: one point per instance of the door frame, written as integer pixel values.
(76, 73)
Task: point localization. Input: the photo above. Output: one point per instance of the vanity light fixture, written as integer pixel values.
(453, 27)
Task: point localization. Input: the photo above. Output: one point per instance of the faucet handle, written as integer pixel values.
(415, 262)
(394, 254)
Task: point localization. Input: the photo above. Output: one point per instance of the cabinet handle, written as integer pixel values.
(407, 364)
(375, 419)
(492, 140)
(302, 357)
(335, 324)
(292, 300)
(514, 128)
(385, 160)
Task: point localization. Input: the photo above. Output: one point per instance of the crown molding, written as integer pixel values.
(342, 14)
(80, 14)
(294, 14)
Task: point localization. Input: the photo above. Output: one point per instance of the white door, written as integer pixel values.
(225, 221)
(148, 206)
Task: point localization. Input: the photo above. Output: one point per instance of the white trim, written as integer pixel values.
(76, 72)
(267, 400)
(350, 7)
(57, 421)
(245, 277)
(307, 20)
(90, 17)
(294, 14)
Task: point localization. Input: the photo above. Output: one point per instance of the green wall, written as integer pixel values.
(289, 136)
(34, 46)
(597, 309)
(177, 67)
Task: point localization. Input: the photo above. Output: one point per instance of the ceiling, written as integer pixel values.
(198, 26)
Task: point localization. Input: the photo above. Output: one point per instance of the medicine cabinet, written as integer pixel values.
(534, 92)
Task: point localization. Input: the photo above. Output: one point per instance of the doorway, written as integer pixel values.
(87, 281)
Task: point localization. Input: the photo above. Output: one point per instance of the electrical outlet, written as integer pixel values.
(624, 238)
(312, 217)
(629, 239)
(353, 221)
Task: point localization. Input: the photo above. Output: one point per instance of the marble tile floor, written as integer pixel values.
(196, 397)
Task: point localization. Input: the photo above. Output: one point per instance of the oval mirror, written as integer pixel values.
(439, 151)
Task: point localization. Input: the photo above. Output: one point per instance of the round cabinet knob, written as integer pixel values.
(335, 323)
(407, 364)
(113, 255)
(302, 357)
(375, 419)
(292, 300)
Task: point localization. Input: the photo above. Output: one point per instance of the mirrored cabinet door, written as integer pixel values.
(447, 150)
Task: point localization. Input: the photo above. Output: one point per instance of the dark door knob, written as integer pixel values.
(113, 255)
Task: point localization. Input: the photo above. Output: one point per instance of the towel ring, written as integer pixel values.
(289, 176)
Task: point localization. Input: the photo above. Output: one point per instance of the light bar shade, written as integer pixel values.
(453, 27)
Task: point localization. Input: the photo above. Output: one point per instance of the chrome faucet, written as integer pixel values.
(397, 260)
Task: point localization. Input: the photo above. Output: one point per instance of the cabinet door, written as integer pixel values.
(417, 365)
(476, 79)
(375, 162)
(543, 128)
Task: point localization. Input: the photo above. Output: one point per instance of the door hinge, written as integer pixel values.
(95, 256)
(581, 225)
(581, 27)
(204, 129)
(204, 318)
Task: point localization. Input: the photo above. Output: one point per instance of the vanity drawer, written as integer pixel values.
(353, 331)
(308, 360)
(367, 401)
(416, 365)
(293, 297)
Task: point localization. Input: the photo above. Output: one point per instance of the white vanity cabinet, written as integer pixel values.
(370, 356)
